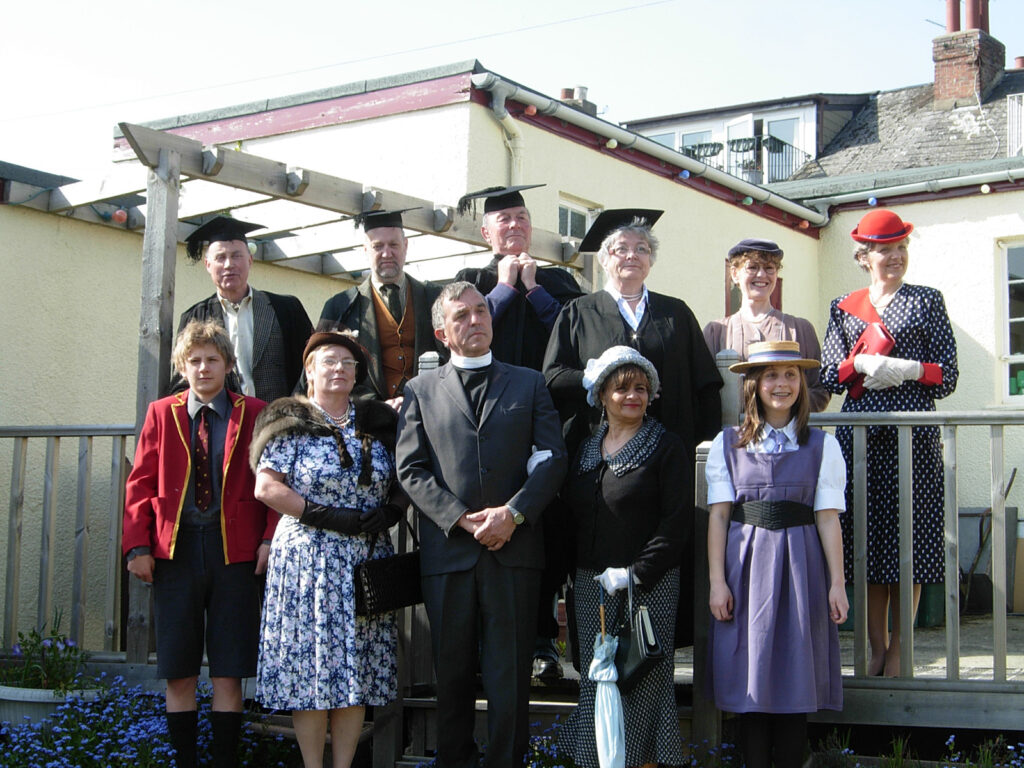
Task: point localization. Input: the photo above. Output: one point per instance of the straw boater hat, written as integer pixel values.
(881, 226)
(764, 353)
(598, 369)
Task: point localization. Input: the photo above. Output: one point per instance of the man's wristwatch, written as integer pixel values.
(517, 516)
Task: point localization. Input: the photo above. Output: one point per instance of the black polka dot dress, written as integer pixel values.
(916, 317)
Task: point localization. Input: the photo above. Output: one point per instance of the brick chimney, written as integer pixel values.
(968, 63)
(577, 97)
(967, 66)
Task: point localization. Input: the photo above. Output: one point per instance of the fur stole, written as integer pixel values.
(298, 416)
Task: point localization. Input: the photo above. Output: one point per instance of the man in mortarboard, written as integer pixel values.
(524, 303)
(267, 330)
(524, 300)
(389, 310)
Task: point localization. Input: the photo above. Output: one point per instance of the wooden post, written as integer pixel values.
(159, 251)
(707, 720)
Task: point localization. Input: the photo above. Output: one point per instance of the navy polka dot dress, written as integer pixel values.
(917, 319)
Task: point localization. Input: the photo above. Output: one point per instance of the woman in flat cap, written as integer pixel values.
(890, 347)
(754, 266)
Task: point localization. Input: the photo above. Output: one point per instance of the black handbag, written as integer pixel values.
(639, 647)
(388, 583)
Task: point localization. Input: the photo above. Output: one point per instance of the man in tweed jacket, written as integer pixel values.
(268, 330)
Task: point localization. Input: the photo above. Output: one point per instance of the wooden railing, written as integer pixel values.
(907, 700)
(53, 505)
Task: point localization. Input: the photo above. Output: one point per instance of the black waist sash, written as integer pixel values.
(773, 514)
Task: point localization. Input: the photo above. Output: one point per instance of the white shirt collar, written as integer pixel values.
(618, 296)
(226, 303)
(377, 283)
(789, 430)
(469, 363)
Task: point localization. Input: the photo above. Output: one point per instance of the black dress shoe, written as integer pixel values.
(546, 669)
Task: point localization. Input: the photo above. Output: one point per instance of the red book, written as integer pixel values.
(875, 340)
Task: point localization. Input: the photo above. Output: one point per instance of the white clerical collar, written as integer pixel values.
(470, 363)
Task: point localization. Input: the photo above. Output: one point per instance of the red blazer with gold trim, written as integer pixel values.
(162, 471)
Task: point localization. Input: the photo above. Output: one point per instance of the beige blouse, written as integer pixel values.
(733, 332)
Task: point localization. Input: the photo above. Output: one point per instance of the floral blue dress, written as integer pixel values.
(315, 653)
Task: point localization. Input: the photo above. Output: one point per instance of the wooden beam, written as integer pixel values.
(258, 174)
(127, 181)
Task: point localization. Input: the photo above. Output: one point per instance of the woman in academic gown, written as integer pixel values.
(663, 329)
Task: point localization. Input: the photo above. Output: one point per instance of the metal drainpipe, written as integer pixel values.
(934, 185)
(513, 136)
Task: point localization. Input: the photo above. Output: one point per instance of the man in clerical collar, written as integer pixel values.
(481, 456)
(389, 310)
(524, 303)
(268, 331)
(195, 531)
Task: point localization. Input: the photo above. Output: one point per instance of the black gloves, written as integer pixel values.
(381, 518)
(340, 519)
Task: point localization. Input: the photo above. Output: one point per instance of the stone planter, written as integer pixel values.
(21, 705)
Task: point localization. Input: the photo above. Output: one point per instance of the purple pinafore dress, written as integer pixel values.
(780, 651)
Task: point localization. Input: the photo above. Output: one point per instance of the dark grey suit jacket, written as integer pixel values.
(281, 328)
(353, 309)
(448, 463)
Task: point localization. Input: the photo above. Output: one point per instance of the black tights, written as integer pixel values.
(766, 737)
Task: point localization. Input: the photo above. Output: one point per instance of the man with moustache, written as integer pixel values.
(389, 311)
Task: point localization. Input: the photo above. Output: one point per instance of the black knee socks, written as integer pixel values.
(181, 726)
(226, 729)
(766, 737)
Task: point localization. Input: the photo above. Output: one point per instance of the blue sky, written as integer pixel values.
(76, 69)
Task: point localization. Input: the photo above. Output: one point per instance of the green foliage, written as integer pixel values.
(51, 661)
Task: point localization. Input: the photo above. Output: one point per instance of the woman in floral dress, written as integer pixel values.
(327, 465)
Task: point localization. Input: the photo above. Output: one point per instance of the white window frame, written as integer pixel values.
(1007, 359)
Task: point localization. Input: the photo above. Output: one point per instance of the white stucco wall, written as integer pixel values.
(70, 293)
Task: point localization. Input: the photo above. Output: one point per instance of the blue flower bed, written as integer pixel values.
(125, 726)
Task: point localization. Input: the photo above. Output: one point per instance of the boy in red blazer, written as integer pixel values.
(195, 531)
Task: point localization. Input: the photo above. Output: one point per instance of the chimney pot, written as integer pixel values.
(1018, 63)
(567, 93)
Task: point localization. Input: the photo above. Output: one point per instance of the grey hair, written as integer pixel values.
(637, 227)
(863, 249)
(450, 292)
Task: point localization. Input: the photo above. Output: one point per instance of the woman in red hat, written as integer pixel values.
(890, 347)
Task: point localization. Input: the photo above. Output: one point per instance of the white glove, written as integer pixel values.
(536, 459)
(613, 579)
(882, 372)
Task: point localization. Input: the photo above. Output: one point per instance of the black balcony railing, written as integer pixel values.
(757, 159)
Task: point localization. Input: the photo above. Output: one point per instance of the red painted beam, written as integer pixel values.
(317, 114)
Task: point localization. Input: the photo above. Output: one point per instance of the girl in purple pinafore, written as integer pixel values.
(775, 557)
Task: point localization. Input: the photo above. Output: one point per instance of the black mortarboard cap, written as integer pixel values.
(216, 230)
(496, 198)
(756, 244)
(372, 219)
(609, 220)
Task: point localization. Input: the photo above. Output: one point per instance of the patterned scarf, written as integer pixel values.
(632, 455)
